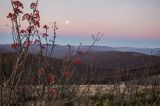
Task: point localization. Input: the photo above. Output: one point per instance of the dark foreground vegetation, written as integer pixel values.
(93, 85)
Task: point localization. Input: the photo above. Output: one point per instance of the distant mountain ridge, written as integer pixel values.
(60, 50)
(148, 51)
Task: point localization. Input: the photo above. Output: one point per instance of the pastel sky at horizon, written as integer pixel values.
(134, 23)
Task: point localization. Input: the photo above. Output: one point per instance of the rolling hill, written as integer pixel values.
(107, 67)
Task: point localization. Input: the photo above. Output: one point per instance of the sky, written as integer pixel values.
(133, 23)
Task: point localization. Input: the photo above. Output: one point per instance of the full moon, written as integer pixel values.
(67, 22)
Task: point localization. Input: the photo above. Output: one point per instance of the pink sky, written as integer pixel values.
(119, 19)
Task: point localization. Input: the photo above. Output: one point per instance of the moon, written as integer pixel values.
(67, 22)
